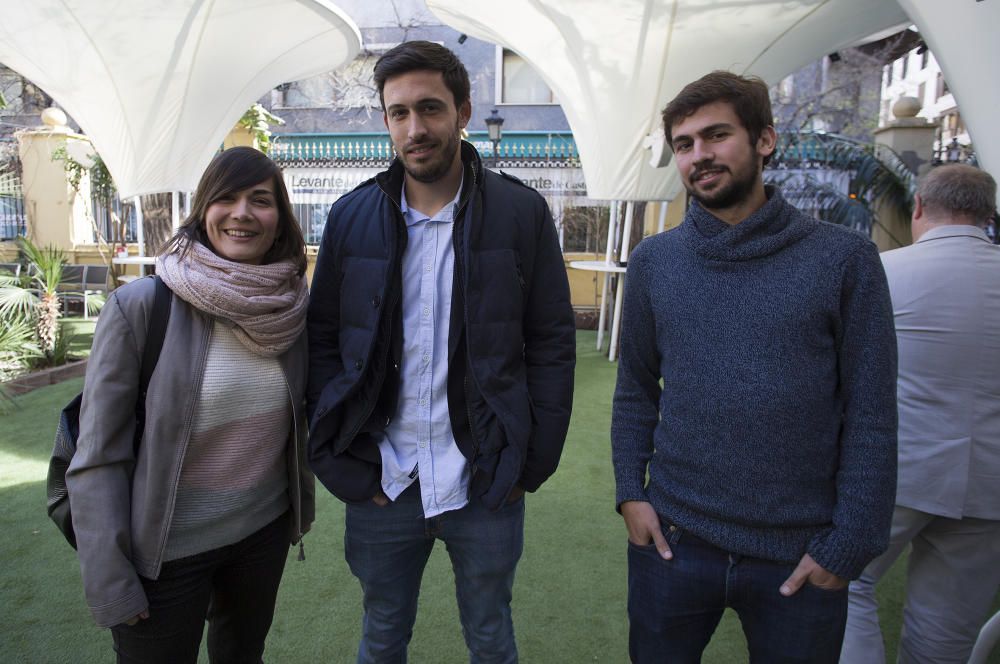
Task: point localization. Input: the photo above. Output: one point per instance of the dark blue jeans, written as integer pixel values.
(234, 587)
(675, 605)
(387, 549)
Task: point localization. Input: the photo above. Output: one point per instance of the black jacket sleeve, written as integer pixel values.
(549, 353)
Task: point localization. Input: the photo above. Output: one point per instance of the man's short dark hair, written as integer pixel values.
(748, 95)
(423, 56)
(959, 190)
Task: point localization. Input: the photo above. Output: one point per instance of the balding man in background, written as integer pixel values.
(945, 292)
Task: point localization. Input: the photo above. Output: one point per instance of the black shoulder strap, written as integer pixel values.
(154, 334)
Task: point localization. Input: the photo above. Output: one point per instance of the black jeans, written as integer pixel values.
(234, 587)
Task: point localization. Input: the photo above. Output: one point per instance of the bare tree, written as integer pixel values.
(585, 229)
(102, 190)
(157, 219)
(840, 92)
(350, 90)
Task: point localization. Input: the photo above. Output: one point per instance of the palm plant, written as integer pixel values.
(39, 302)
(17, 348)
(48, 267)
(878, 182)
(17, 335)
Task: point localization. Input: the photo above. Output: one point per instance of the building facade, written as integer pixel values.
(916, 73)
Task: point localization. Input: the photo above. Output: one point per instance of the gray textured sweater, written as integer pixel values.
(774, 431)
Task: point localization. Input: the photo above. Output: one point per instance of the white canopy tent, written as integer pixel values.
(613, 67)
(157, 85)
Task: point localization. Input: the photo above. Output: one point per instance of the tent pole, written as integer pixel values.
(175, 209)
(601, 316)
(626, 232)
(140, 231)
(601, 319)
(620, 289)
(663, 216)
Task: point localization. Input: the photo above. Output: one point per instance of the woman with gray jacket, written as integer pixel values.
(196, 526)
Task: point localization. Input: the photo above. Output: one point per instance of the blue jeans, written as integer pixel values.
(675, 605)
(387, 549)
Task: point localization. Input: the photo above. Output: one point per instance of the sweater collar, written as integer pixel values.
(772, 227)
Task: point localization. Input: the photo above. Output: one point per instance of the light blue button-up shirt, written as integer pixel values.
(419, 439)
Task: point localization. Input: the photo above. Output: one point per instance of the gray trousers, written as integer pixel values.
(951, 579)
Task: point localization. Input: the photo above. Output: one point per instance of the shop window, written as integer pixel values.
(585, 229)
(942, 86)
(312, 220)
(519, 83)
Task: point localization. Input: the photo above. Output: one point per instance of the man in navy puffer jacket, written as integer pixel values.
(442, 349)
(770, 444)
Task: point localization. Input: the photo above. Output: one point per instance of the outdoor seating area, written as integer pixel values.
(80, 285)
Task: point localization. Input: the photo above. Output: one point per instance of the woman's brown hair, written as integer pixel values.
(231, 171)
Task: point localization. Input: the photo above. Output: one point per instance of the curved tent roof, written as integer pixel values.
(962, 37)
(157, 85)
(614, 66)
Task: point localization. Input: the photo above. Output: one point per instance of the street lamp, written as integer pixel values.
(494, 127)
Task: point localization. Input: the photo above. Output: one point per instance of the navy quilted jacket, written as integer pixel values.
(511, 338)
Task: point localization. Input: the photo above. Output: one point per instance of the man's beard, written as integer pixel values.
(737, 190)
(435, 169)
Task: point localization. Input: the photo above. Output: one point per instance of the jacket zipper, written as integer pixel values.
(188, 423)
(472, 427)
(296, 472)
(460, 253)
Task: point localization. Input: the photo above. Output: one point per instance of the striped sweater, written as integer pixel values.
(233, 479)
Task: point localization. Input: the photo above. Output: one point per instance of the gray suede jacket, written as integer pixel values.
(122, 505)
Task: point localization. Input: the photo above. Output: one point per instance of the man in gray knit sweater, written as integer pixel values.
(756, 392)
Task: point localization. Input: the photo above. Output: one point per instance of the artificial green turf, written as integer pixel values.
(569, 598)
(81, 334)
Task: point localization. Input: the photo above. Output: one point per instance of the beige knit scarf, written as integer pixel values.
(266, 304)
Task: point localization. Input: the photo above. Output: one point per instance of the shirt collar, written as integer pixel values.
(445, 214)
(954, 230)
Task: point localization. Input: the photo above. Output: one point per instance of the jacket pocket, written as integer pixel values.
(497, 279)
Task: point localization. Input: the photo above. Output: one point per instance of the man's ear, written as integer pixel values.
(918, 208)
(767, 141)
(464, 113)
